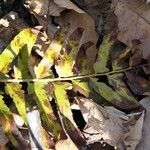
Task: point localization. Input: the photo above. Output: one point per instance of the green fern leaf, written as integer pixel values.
(62, 100)
(103, 54)
(17, 94)
(118, 97)
(9, 126)
(43, 68)
(64, 66)
(25, 37)
(81, 87)
(22, 70)
(66, 61)
(43, 102)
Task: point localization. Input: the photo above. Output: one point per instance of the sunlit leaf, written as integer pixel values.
(63, 104)
(17, 94)
(51, 54)
(25, 37)
(9, 126)
(66, 61)
(65, 66)
(43, 102)
(62, 99)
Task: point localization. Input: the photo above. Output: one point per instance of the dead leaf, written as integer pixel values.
(113, 126)
(84, 21)
(138, 84)
(74, 16)
(133, 22)
(42, 43)
(44, 7)
(147, 69)
(67, 4)
(144, 142)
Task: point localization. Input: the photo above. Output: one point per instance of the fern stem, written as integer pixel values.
(74, 77)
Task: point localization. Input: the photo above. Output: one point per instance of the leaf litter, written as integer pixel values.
(64, 54)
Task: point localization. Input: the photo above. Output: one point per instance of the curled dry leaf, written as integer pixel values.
(111, 125)
(133, 22)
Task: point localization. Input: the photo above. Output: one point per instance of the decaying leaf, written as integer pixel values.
(25, 37)
(82, 87)
(111, 125)
(119, 61)
(43, 102)
(69, 66)
(103, 55)
(62, 100)
(118, 97)
(133, 22)
(138, 84)
(17, 94)
(144, 142)
(65, 110)
(9, 126)
(84, 21)
(51, 54)
(66, 60)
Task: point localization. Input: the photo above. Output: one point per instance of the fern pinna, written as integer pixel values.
(31, 80)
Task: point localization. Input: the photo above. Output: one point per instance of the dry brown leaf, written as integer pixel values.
(67, 4)
(144, 143)
(42, 44)
(86, 22)
(42, 10)
(51, 7)
(114, 126)
(44, 7)
(75, 16)
(133, 22)
(46, 22)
